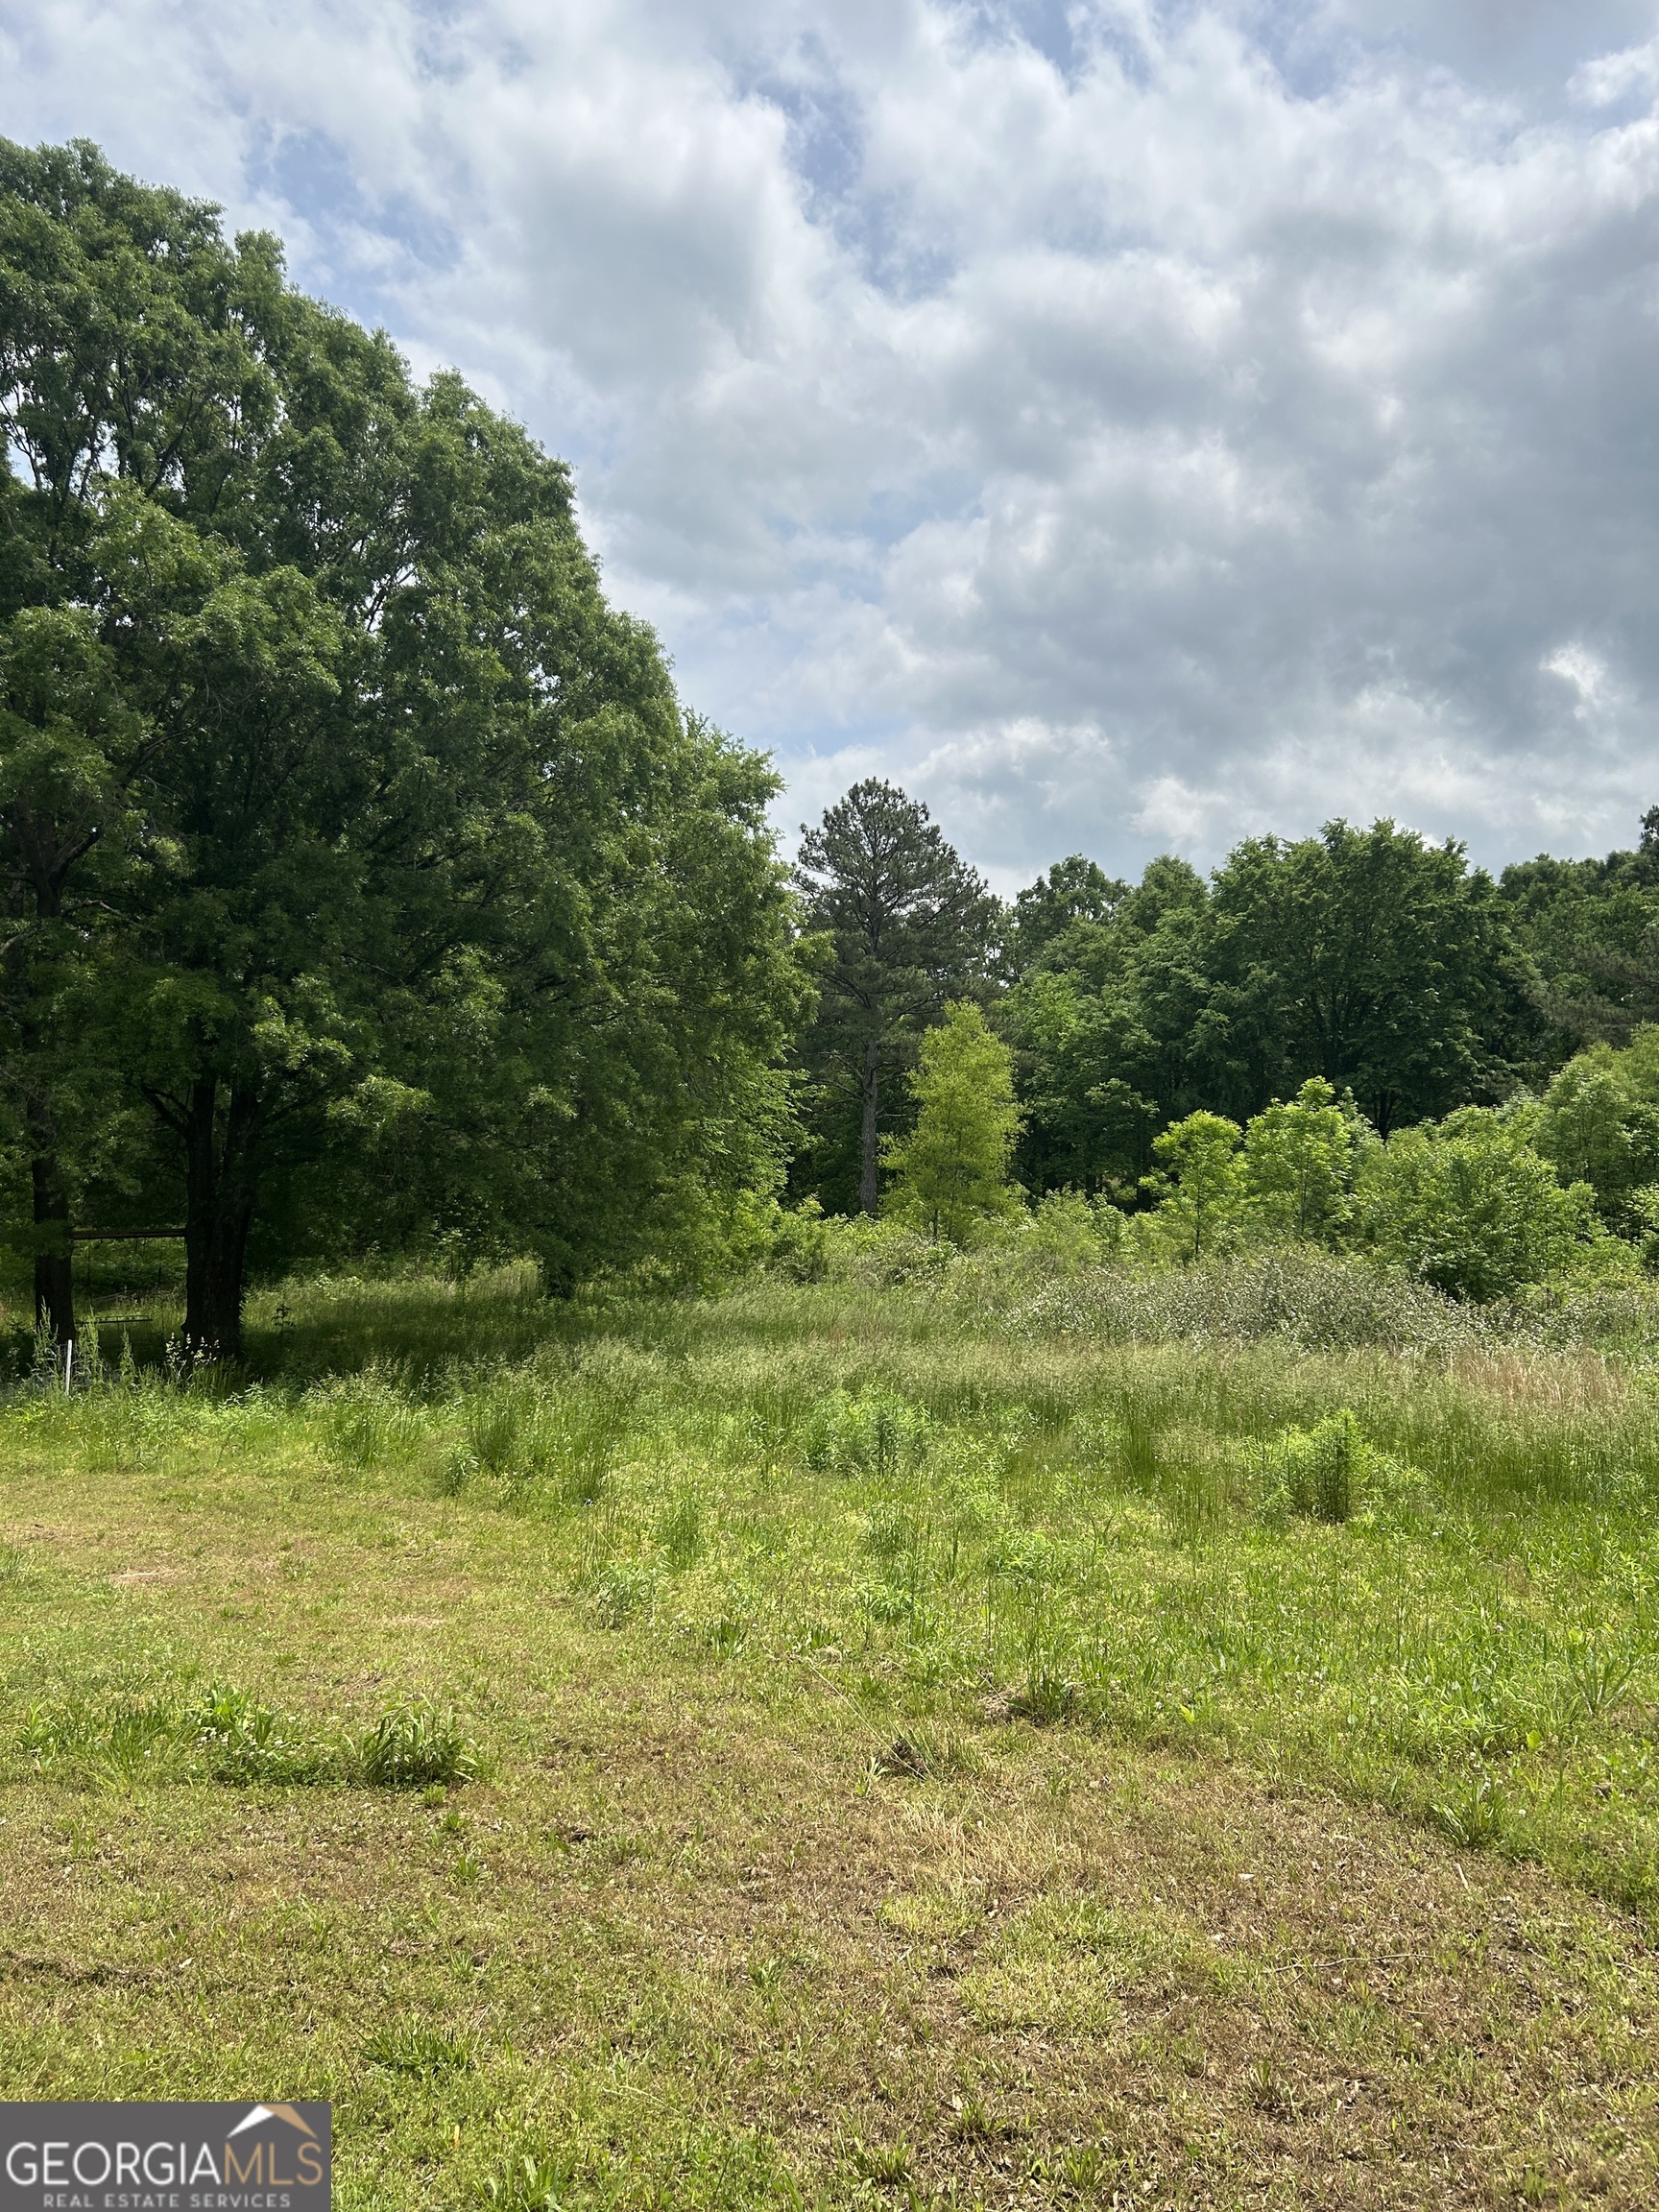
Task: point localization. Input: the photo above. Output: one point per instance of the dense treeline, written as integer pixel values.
(1354, 1039)
(1369, 958)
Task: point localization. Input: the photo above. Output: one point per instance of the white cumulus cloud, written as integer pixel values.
(1128, 424)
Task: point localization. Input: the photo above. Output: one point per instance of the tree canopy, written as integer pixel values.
(336, 800)
(1384, 967)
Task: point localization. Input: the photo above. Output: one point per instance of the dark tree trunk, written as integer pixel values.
(219, 1137)
(54, 1269)
(869, 1148)
(54, 1253)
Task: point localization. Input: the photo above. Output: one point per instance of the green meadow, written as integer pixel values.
(846, 1744)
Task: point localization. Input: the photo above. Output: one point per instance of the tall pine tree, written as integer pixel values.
(903, 926)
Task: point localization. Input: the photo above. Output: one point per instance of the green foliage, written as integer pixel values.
(1331, 1471)
(679, 1533)
(132, 1739)
(623, 1588)
(1300, 1163)
(869, 1431)
(248, 1742)
(1076, 890)
(950, 1174)
(801, 1242)
(1599, 1123)
(224, 1733)
(1102, 1016)
(1293, 1295)
(1070, 1231)
(392, 889)
(512, 1431)
(1591, 929)
(1468, 1205)
(1370, 958)
(368, 1420)
(1200, 1184)
(529, 2184)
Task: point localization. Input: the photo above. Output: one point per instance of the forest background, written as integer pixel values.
(368, 893)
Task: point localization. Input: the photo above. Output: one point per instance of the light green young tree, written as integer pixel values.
(1600, 1126)
(1299, 1165)
(950, 1174)
(1201, 1182)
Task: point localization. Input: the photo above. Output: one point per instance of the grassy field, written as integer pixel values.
(826, 1745)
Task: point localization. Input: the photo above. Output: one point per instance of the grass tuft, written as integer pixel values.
(416, 2047)
(248, 1742)
(414, 1746)
(531, 2183)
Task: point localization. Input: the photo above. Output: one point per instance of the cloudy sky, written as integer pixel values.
(1128, 425)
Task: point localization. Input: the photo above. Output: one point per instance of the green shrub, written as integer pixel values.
(1597, 1127)
(880, 1255)
(890, 1533)
(1469, 1206)
(1028, 1559)
(1295, 1294)
(800, 1243)
(1071, 1230)
(1332, 1472)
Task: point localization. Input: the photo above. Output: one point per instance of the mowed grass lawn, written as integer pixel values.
(887, 1762)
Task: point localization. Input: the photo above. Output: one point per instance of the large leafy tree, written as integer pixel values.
(132, 389)
(1370, 957)
(422, 859)
(903, 926)
(1045, 918)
